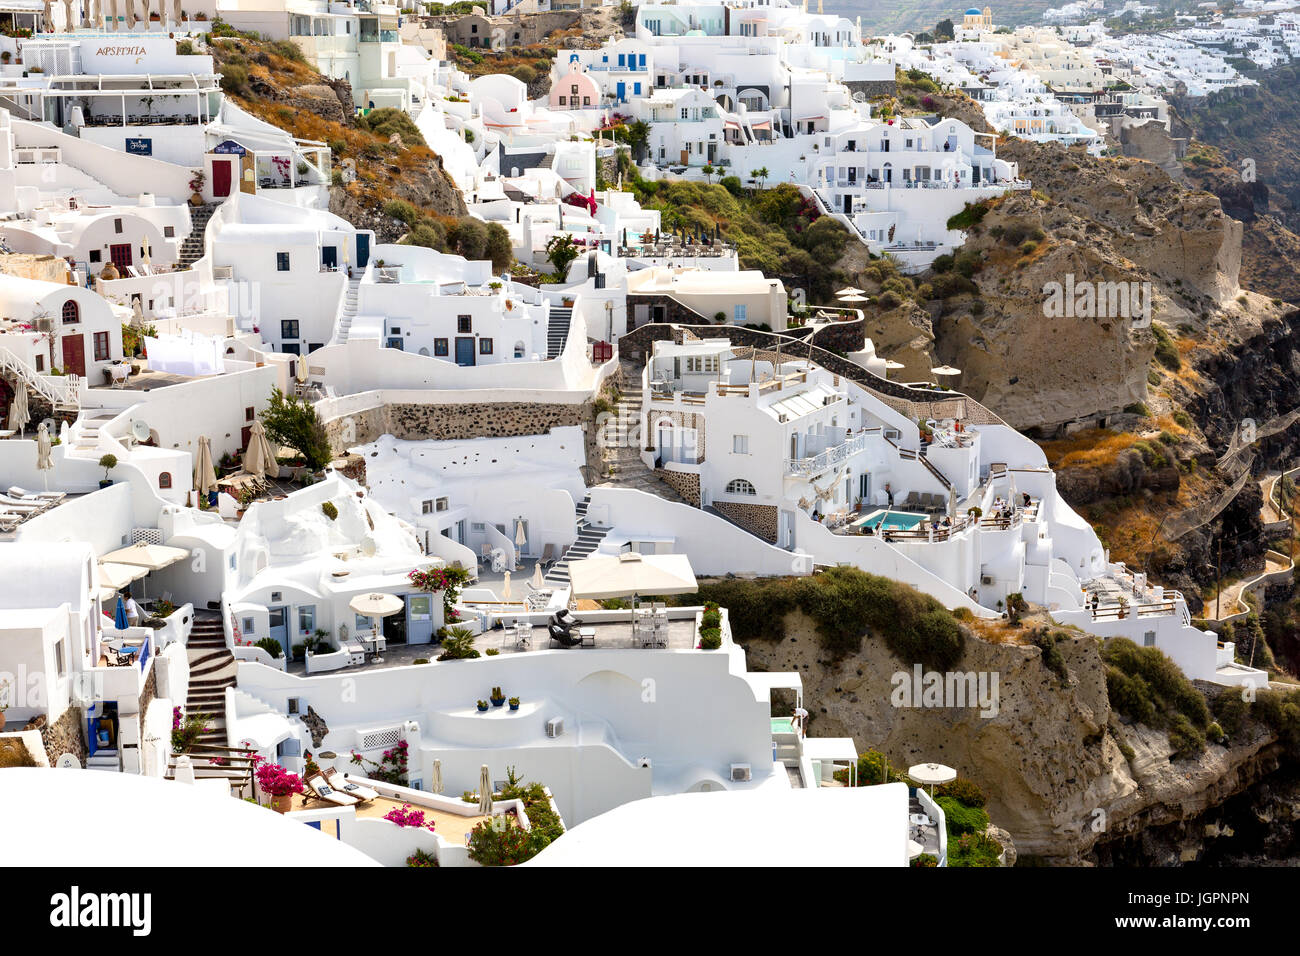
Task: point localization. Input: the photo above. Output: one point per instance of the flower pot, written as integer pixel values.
(514, 706)
(498, 703)
(482, 708)
(281, 802)
(105, 482)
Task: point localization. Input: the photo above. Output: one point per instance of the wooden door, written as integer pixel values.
(74, 355)
(221, 177)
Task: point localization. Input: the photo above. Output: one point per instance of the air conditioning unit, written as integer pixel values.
(555, 727)
(986, 579)
(740, 773)
(643, 762)
(44, 323)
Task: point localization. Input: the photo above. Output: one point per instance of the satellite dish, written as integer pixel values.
(68, 762)
(140, 430)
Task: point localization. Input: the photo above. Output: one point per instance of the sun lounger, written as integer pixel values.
(24, 495)
(319, 787)
(9, 522)
(23, 506)
(340, 782)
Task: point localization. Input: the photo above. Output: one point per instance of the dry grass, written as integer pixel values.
(13, 753)
(1091, 448)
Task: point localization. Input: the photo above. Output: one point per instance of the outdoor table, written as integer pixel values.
(587, 636)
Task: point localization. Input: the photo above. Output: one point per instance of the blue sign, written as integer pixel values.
(230, 147)
(139, 146)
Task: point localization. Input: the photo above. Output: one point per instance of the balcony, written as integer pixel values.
(806, 467)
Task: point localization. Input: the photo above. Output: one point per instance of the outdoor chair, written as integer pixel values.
(23, 506)
(562, 637)
(548, 555)
(24, 495)
(9, 522)
(912, 500)
(564, 618)
(342, 783)
(320, 787)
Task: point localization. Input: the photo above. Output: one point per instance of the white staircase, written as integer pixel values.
(104, 759)
(347, 312)
(61, 391)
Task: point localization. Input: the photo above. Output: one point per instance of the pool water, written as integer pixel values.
(890, 521)
(782, 725)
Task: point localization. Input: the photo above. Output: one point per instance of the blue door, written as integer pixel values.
(278, 628)
(465, 351)
(363, 249)
(621, 91)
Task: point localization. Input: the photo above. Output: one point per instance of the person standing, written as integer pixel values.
(800, 720)
(132, 612)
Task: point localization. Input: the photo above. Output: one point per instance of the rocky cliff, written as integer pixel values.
(1066, 776)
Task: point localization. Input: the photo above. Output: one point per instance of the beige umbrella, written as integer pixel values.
(505, 588)
(851, 290)
(521, 540)
(854, 298)
(258, 456)
(484, 791)
(144, 250)
(376, 605)
(914, 849)
(44, 460)
(205, 476)
(538, 581)
(435, 781)
(117, 576)
(625, 575)
(151, 557)
(930, 774)
(19, 416)
(47, 16)
(946, 370)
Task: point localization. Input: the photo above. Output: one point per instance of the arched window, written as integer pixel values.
(71, 312)
(739, 486)
(165, 479)
(519, 350)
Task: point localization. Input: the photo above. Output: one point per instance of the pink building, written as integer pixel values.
(575, 91)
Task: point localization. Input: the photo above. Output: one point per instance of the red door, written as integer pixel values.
(74, 355)
(121, 256)
(221, 177)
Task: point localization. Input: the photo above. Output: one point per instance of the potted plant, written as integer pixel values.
(498, 698)
(278, 784)
(482, 706)
(196, 187)
(514, 703)
(108, 463)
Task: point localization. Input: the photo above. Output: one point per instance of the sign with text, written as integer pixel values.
(139, 146)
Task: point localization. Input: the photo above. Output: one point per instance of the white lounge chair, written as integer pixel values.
(340, 782)
(23, 506)
(25, 495)
(321, 788)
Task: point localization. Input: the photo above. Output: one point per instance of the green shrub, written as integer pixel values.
(961, 818)
(271, 646)
(710, 638)
(1166, 351)
(330, 510)
(458, 644)
(964, 791)
(970, 216)
(403, 210)
(1146, 686)
(1046, 641)
(975, 850)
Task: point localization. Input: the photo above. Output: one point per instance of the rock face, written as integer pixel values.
(1049, 759)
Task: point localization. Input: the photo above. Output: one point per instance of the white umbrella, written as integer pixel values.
(435, 781)
(376, 605)
(259, 459)
(952, 503)
(930, 774)
(144, 250)
(855, 297)
(117, 576)
(205, 476)
(891, 364)
(521, 540)
(538, 581)
(946, 370)
(851, 290)
(914, 849)
(505, 588)
(484, 791)
(19, 416)
(151, 557)
(44, 460)
(624, 575)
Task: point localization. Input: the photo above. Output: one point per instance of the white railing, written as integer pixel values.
(827, 459)
(57, 389)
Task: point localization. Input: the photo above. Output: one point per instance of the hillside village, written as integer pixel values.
(427, 365)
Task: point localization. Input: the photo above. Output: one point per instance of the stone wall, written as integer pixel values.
(759, 520)
(412, 422)
(680, 420)
(686, 484)
(674, 311)
(872, 88)
(65, 736)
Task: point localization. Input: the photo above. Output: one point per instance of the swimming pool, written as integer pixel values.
(782, 725)
(890, 521)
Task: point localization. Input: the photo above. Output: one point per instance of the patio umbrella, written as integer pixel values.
(952, 503)
(929, 774)
(946, 370)
(151, 557)
(44, 460)
(851, 290)
(435, 781)
(505, 588)
(144, 250)
(258, 456)
(376, 605)
(118, 576)
(119, 615)
(521, 536)
(855, 297)
(484, 791)
(19, 416)
(205, 476)
(914, 849)
(631, 575)
(538, 581)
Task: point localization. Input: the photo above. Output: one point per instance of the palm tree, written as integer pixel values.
(761, 175)
(708, 173)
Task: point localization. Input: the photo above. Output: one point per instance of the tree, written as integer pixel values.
(293, 422)
(560, 253)
(944, 30)
(708, 173)
(638, 137)
(761, 175)
(499, 247)
(469, 238)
